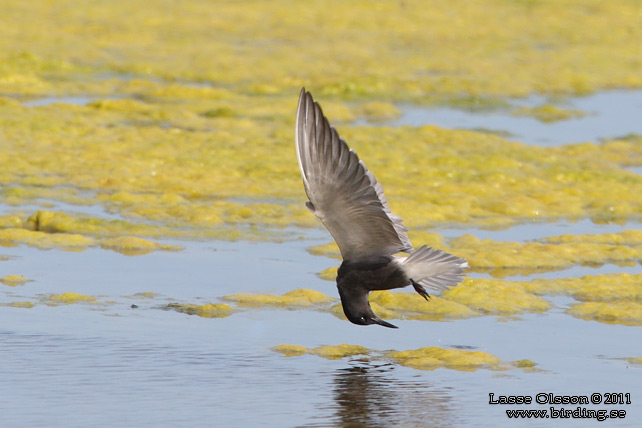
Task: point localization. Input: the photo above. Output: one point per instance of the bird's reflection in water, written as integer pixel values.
(368, 395)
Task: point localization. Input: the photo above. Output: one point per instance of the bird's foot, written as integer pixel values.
(420, 289)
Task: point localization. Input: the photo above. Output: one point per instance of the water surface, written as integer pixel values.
(114, 364)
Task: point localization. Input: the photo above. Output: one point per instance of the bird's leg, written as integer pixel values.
(420, 289)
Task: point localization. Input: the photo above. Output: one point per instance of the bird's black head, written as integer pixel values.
(357, 308)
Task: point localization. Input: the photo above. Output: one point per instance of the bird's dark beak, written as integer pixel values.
(382, 322)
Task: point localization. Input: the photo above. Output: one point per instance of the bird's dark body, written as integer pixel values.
(378, 273)
(355, 280)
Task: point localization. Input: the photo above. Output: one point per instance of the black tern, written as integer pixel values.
(349, 201)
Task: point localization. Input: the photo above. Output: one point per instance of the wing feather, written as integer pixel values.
(344, 195)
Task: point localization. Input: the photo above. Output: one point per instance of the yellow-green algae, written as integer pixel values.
(548, 113)
(49, 229)
(25, 305)
(61, 222)
(166, 140)
(472, 297)
(329, 274)
(69, 298)
(43, 240)
(473, 177)
(131, 245)
(604, 288)
(627, 312)
(296, 298)
(290, 350)
(496, 297)
(393, 49)
(502, 258)
(626, 237)
(208, 310)
(335, 352)
(401, 305)
(330, 352)
(549, 253)
(429, 358)
(14, 280)
(145, 295)
(434, 357)
(526, 365)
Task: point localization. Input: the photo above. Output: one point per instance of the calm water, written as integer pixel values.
(111, 365)
(609, 114)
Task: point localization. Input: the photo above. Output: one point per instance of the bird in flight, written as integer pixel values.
(349, 201)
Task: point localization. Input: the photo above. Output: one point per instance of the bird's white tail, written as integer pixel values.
(434, 269)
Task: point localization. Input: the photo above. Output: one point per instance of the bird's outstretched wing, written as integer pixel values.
(342, 192)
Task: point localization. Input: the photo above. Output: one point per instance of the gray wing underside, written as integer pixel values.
(434, 269)
(344, 195)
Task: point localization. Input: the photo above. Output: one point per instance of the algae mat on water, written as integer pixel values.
(181, 114)
(241, 172)
(364, 48)
(430, 358)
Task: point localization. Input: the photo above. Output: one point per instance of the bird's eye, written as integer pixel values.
(362, 319)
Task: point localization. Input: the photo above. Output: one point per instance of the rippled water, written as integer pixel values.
(114, 365)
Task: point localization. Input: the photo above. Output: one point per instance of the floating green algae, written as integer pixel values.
(14, 280)
(335, 352)
(69, 298)
(402, 305)
(396, 50)
(429, 358)
(61, 222)
(145, 295)
(331, 249)
(604, 288)
(626, 312)
(24, 305)
(296, 298)
(548, 113)
(496, 297)
(290, 350)
(329, 352)
(473, 297)
(49, 229)
(502, 258)
(212, 183)
(549, 253)
(434, 357)
(131, 245)
(626, 237)
(208, 310)
(524, 364)
(205, 143)
(43, 240)
(329, 274)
